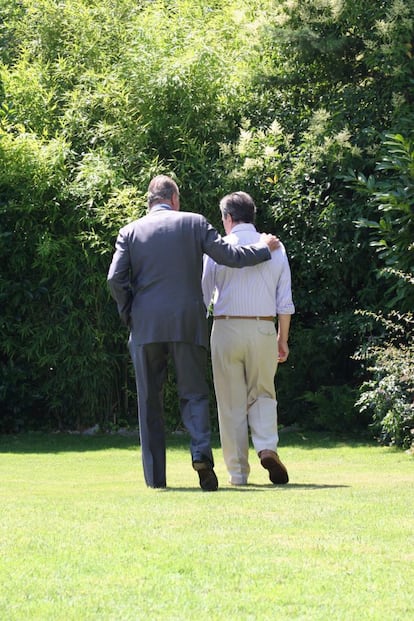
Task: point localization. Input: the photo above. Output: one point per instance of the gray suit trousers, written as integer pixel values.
(150, 363)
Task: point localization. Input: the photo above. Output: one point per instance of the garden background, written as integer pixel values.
(306, 105)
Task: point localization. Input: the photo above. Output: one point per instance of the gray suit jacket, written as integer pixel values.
(155, 274)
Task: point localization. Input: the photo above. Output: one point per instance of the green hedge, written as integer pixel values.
(290, 101)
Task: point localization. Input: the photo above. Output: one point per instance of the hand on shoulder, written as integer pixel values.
(271, 241)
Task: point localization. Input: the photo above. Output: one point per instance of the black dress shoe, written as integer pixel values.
(207, 476)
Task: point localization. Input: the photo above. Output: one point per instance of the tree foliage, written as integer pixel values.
(306, 105)
(388, 392)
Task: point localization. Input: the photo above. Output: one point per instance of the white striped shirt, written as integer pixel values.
(262, 290)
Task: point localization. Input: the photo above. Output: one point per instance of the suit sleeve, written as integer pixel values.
(118, 278)
(232, 256)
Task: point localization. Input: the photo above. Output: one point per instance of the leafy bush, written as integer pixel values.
(388, 393)
(278, 99)
(388, 396)
(390, 195)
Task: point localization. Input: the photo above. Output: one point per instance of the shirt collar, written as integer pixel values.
(243, 226)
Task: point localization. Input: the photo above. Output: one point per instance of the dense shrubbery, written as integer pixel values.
(388, 394)
(293, 102)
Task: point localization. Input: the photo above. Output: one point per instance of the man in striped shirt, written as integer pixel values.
(245, 347)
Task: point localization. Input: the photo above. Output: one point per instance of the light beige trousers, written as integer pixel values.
(244, 359)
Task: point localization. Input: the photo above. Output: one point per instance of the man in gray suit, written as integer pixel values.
(155, 279)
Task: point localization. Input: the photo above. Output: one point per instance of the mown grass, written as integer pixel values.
(83, 538)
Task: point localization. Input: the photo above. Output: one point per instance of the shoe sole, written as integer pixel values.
(277, 474)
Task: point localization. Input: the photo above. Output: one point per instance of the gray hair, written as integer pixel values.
(161, 188)
(240, 206)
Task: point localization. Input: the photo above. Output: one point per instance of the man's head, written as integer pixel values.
(237, 207)
(163, 189)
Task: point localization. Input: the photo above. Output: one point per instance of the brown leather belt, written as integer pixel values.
(242, 317)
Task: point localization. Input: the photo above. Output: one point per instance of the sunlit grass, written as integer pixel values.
(83, 538)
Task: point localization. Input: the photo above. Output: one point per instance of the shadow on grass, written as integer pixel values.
(266, 487)
(69, 442)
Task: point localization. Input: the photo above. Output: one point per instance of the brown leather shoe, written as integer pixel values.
(277, 471)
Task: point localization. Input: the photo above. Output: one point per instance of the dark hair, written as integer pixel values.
(240, 206)
(161, 188)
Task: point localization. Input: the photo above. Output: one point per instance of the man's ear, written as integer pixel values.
(175, 201)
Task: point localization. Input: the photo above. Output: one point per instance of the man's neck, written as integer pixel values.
(163, 205)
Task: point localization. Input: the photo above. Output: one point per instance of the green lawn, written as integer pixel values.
(81, 537)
